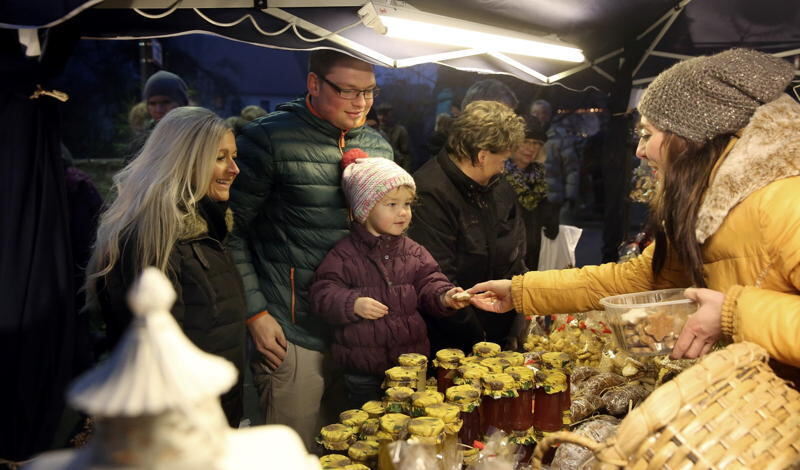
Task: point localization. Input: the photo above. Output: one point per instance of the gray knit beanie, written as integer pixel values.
(707, 96)
(163, 83)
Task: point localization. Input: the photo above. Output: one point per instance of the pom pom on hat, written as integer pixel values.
(366, 180)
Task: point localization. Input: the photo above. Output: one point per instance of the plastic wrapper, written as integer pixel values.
(585, 405)
(618, 400)
(599, 383)
(498, 453)
(573, 456)
(409, 455)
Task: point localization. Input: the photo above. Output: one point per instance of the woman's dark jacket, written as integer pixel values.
(475, 233)
(393, 270)
(210, 304)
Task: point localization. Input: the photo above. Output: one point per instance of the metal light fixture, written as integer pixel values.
(407, 23)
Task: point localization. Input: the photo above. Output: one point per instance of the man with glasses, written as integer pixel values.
(290, 211)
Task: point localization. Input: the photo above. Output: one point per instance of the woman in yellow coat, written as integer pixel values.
(724, 141)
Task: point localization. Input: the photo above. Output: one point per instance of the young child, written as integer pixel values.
(373, 286)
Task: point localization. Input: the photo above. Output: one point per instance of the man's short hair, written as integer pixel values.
(320, 62)
(490, 90)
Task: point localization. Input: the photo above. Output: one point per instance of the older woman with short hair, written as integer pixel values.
(468, 216)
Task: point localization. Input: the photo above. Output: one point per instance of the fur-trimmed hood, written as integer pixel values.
(195, 225)
(768, 150)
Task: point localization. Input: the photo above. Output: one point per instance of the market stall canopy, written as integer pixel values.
(663, 31)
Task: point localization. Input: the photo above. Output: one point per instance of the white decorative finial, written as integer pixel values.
(152, 292)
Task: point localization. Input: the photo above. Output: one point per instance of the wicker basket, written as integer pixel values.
(728, 411)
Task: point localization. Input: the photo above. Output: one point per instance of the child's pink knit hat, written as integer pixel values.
(366, 180)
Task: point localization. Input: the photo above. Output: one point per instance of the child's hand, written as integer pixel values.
(452, 299)
(369, 308)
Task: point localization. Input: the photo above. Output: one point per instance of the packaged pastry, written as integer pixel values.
(336, 437)
(426, 430)
(332, 461)
(583, 406)
(573, 456)
(618, 400)
(581, 373)
(599, 383)
(421, 400)
(353, 418)
(485, 349)
(374, 408)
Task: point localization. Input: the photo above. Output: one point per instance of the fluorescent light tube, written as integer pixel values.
(414, 25)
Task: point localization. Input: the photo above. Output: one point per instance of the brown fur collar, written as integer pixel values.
(768, 150)
(195, 225)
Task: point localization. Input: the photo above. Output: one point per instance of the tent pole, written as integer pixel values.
(617, 155)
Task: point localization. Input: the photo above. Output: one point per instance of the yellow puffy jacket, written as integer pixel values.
(749, 227)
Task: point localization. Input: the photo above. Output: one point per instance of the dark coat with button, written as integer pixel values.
(475, 233)
(393, 270)
(210, 303)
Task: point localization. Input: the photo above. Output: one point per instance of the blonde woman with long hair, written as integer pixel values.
(171, 212)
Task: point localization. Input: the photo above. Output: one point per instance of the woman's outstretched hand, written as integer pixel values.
(703, 328)
(492, 296)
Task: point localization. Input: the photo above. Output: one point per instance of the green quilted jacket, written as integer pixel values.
(290, 211)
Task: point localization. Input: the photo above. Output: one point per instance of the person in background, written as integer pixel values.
(138, 117)
(396, 134)
(490, 89)
(525, 172)
(252, 112)
(469, 219)
(723, 139)
(376, 284)
(439, 136)
(543, 111)
(290, 212)
(563, 165)
(171, 212)
(163, 92)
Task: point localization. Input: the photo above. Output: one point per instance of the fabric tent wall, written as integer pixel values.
(38, 323)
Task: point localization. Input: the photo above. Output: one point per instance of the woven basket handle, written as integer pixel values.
(566, 437)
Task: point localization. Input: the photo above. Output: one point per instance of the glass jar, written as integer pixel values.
(498, 393)
(419, 363)
(549, 400)
(468, 399)
(521, 411)
(447, 362)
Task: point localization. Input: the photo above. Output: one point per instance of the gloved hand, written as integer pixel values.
(551, 230)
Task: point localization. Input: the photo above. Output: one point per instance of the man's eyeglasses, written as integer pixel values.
(369, 94)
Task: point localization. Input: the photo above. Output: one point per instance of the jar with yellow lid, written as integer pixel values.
(496, 365)
(394, 424)
(449, 414)
(401, 376)
(370, 429)
(520, 413)
(336, 438)
(426, 430)
(332, 461)
(485, 349)
(446, 362)
(354, 419)
(374, 408)
(398, 399)
(498, 391)
(364, 452)
(420, 400)
(470, 374)
(548, 401)
(419, 363)
(468, 399)
(515, 359)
